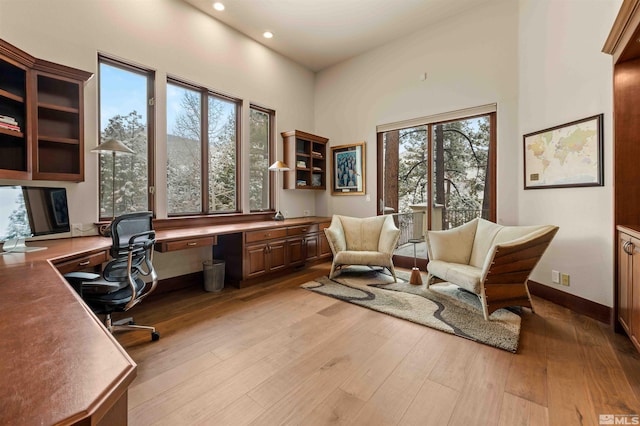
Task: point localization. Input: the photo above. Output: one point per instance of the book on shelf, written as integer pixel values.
(301, 182)
(316, 154)
(8, 120)
(302, 164)
(316, 168)
(9, 126)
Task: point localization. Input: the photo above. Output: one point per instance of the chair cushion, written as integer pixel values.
(362, 234)
(453, 245)
(465, 276)
(485, 235)
(373, 258)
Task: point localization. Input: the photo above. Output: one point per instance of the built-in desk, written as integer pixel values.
(58, 363)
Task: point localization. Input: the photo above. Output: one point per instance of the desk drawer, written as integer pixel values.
(303, 229)
(83, 262)
(186, 244)
(267, 234)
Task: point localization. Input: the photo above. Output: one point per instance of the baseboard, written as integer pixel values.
(575, 303)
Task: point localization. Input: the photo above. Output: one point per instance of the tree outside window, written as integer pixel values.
(124, 99)
(260, 148)
(201, 174)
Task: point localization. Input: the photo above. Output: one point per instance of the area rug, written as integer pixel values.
(443, 306)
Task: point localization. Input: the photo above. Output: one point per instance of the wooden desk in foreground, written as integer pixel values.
(58, 363)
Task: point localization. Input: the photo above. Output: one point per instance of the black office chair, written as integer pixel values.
(120, 286)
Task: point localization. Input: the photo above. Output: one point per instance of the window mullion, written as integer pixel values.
(204, 140)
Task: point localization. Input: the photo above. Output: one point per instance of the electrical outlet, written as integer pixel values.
(306, 213)
(565, 279)
(555, 277)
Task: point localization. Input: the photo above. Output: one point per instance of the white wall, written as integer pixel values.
(471, 60)
(565, 77)
(173, 38)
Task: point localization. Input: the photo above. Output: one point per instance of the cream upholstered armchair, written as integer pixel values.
(490, 260)
(362, 241)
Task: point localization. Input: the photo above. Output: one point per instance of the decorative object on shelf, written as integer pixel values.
(301, 164)
(569, 155)
(316, 179)
(113, 146)
(348, 169)
(278, 167)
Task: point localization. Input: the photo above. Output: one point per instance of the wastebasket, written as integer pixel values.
(213, 275)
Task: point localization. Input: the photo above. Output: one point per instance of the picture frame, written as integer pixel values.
(565, 156)
(348, 169)
(59, 207)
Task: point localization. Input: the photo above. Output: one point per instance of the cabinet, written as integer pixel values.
(306, 156)
(253, 256)
(621, 44)
(628, 300)
(43, 101)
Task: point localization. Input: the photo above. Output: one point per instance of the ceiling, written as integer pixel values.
(321, 33)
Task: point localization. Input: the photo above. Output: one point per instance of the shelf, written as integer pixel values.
(54, 139)
(11, 96)
(307, 148)
(61, 108)
(11, 133)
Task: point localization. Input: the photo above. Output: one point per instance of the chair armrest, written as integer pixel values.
(335, 236)
(389, 235)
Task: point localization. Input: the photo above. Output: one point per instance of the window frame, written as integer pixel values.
(272, 155)
(430, 124)
(150, 75)
(205, 93)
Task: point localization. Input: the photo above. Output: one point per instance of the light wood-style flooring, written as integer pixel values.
(276, 354)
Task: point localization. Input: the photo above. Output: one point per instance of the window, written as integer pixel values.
(437, 175)
(125, 115)
(201, 173)
(261, 147)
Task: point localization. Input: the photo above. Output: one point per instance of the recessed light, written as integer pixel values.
(218, 6)
(267, 34)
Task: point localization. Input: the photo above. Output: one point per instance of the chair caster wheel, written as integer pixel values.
(132, 322)
(155, 336)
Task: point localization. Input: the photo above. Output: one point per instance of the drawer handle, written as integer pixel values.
(85, 263)
(304, 229)
(192, 243)
(267, 234)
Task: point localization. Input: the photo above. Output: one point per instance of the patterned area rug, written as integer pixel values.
(443, 306)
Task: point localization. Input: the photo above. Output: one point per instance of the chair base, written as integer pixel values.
(127, 324)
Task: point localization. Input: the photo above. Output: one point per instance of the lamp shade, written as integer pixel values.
(112, 145)
(279, 166)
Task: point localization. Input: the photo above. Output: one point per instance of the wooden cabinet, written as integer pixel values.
(306, 156)
(625, 51)
(263, 258)
(271, 250)
(186, 243)
(43, 104)
(628, 301)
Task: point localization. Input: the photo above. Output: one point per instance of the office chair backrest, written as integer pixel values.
(132, 247)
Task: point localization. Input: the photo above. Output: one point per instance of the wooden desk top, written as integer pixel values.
(59, 364)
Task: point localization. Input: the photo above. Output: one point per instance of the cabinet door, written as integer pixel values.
(296, 252)
(325, 249)
(311, 247)
(277, 255)
(634, 293)
(624, 284)
(255, 260)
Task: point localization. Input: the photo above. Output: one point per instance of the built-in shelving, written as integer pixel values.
(306, 156)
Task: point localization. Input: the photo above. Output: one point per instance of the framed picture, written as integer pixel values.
(347, 166)
(60, 208)
(569, 155)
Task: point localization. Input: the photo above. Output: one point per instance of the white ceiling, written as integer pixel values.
(321, 33)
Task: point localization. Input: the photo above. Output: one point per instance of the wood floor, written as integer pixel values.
(276, 354)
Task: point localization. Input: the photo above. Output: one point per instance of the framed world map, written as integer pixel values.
(568, 155)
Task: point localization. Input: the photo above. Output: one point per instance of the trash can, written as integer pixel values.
(213, 275)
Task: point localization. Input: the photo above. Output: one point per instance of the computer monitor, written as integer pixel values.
(27, 211)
